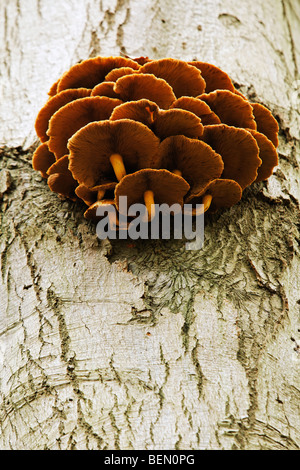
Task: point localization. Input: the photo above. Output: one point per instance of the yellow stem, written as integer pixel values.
(149, 203)
(177, 172)
(207, 198)
(206, 201)
(100, 194)
(118, 165)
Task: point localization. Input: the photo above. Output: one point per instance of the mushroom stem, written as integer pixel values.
(149, 203)
(177, 172)
(206, 201)
(207, 198)
(100, 194)
(118, 165)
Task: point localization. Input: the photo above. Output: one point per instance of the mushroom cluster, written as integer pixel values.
(156, 131)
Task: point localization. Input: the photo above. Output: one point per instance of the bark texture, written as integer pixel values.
(144, 345)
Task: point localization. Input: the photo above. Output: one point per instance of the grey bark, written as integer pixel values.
(145, 345)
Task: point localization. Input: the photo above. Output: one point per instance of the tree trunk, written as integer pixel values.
(146, 345)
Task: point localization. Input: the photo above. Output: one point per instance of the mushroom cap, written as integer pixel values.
(42, 159)
(198, 107)
(71, 117)
(215, 78)
(141, 60)
(266, 123)
(197, 161)
(60, 178)
(114, 74)
(184, 79)
(105, 89)
(92, 146)
(164, 123)
(224, 192)
(53, 105)
(140, 85)
(177, 122)
(91, 212)
(89, 195)
(143, 111)
(90, 72)
(167, 187)
(267, 154)
(53, 89)
(238, 149)
(231, 108)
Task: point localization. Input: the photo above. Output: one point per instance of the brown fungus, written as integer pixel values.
(192, 159)
(215, 78)
(184, 79)
(60, 179)
(105, 89)
(238, 149)
(231, 108)
(53, 105)
(96, 193)
(267, 154)
(42, 159)
(114, 74)
(138, 86)
(198, 107)
(159, 131)
(105, 151)
(219, 193)
(90, 72)
(151, 186)
(163, 123)
(266, 123)
(75, 115)
(144, 111)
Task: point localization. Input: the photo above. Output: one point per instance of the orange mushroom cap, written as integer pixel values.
(114, 74)
(184, 79)
(90, 195)
(105, 89)
(215, 78)
(231, 108)
(92, 146)
(143, 111)
(266, 123)
(53, 89)
(267, 154)
(196, 160)
(162, 122)
(53, 105)
(42, 159)
(90, 72)
(167, 187)
(198, 107)
(141, 60)
(225, 193)
(71, 117)
(60, 178)
(238, 149)
(177, 121)
(139, 85)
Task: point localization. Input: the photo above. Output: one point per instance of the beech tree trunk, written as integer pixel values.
(145, 345)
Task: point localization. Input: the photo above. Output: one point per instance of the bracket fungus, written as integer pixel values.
(158, 131)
